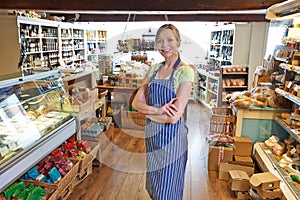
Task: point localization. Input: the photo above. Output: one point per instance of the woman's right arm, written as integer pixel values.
(140, 100)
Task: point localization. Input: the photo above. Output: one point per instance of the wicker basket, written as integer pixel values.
(61, 189)
(133, 120)
(89, 157)
(222, 121)
(64, 193)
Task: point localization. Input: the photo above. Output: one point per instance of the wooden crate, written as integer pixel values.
(63, 193)
(133, 120)
(105, 142)
(222, 121)
(84, 172)
(62, 188)
(89, 157)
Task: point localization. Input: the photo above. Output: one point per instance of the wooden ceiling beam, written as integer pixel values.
(139, 18)
(138, 5)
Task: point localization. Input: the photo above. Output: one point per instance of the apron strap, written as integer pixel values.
(175, 67)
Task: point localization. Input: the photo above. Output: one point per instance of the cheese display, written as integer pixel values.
(29, 113)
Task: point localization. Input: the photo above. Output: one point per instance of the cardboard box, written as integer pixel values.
(242, 146)
(264, 181)
(218, 154)
(238, 180)
(243, 160)
(226, 167)
(242, 195)
(269, 194)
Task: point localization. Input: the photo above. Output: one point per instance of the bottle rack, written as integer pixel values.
(38, 44)
(72, 45)
(96, 45)
(224, 40)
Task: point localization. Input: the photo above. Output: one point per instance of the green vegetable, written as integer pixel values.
(24, 193)
(17, 187)
(295, 178)
(37, 193)
(30, 186)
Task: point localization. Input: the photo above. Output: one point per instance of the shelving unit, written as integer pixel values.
(66, 45)
(37, 39)
(264, 157)
(78, 43)
(48, 44)
(230, 44)
(71, 46)
(232, 81)
(207, 88)
(96, 45)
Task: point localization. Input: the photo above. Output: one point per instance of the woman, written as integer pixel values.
(163, 97)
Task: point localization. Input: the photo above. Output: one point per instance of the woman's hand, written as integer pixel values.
(169, 108)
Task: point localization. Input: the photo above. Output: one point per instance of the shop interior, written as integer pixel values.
(68, 76)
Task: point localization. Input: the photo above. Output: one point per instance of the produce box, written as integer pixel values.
(84, 172)
(105, 142)
(218, 154)
(105, 121)
(21, 190)
(64, 193)
(92, 129)
(62, 188)
(238, 180)
(83, 163)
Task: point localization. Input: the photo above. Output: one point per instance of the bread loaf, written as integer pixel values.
(242, 103)
(272, 101)
(259, 103)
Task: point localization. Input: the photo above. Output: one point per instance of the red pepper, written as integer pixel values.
(57, 152)
(85, 145)
(72, 139)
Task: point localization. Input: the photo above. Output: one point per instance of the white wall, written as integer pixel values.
(195, 36)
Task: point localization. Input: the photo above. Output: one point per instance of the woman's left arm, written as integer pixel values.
(183, 95)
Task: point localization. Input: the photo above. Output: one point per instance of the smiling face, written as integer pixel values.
(167, 42)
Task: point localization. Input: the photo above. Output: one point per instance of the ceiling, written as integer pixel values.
(151, 10)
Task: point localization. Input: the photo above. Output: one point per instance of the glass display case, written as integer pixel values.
(32, 123)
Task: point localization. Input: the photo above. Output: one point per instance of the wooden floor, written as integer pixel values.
(122, 177)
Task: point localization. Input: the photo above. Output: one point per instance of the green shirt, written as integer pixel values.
(182, 74)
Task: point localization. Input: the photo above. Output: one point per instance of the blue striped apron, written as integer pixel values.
(166, 145)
